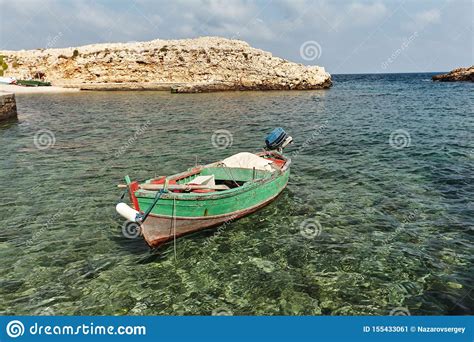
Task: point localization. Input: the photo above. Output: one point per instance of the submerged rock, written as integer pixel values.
(187, 65)
(459, 74)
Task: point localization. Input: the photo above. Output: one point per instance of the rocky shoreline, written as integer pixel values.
(7, 106)
(457, 75)
(189, 65)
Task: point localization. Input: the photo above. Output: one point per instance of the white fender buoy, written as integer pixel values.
(126, 212)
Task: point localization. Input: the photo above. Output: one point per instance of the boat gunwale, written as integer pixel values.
(247, 186)
(232, 213)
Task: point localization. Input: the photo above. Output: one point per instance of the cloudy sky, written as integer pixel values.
(344, 36)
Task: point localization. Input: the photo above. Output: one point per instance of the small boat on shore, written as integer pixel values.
(33, 83)
(207, 196)
(7, 80)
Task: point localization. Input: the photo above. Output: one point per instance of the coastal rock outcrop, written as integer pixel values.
(187, 65)
(457, 75)
(7, 106)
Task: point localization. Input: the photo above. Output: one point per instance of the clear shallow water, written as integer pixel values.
(396, 223)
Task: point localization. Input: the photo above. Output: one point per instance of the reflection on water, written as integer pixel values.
(363, 227)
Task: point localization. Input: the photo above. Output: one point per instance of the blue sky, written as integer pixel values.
(343, 36)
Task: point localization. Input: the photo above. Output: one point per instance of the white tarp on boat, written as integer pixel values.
(248, 160)
(204, 180)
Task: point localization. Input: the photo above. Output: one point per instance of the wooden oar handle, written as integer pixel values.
(154, 187)
(189, 187)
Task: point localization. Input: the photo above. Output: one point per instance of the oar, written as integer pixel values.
(185, 187)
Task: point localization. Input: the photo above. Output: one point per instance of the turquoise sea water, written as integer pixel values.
(377, 217)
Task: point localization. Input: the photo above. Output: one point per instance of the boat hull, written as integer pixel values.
(158, 229)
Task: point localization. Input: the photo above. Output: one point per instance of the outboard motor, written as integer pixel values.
(277, 140)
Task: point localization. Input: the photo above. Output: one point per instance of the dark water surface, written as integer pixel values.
(366, 225)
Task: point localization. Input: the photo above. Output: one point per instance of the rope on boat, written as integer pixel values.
(123, 195)
(229, 174)
(148, 211)
(174, 226)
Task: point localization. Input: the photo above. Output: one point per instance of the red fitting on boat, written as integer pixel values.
(160, 180)
(131, 191)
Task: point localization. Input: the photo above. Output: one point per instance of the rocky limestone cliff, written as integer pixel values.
(188, 65)
(459, 74)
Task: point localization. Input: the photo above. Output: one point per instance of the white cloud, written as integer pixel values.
(361, 14)
(331, 16)
(428, 17)
(94, 16)
(238, 18)
(342, 27)
(422, 19)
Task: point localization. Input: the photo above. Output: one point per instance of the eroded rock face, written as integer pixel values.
(7, 106)
(460, 74)
(202, 64)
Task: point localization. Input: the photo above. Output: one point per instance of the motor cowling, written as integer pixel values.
(278, 139)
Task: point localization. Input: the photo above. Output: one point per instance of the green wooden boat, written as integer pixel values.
(205, 196)
(33, 83)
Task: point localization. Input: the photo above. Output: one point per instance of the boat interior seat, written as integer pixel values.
(203, 180)
(208, 180)
(234, 174)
